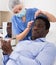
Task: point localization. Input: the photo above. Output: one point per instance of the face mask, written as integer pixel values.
(21, 13)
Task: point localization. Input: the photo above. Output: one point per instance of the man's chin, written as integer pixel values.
(33, 37)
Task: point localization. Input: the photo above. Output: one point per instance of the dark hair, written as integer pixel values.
(45, 19)
(9, 23)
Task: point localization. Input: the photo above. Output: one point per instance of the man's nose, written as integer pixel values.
(35, 28)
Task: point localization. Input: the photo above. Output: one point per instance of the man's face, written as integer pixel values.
(38, 29)
(17, 8)
(9, 29)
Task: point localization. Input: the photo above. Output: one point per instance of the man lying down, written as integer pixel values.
(36, 51)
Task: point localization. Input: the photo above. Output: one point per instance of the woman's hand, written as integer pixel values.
(37, 13)
(51, 17)
(29, 25)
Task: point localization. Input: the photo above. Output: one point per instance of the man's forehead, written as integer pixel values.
(39, 21)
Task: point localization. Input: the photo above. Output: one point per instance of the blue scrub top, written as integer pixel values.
(18, 26)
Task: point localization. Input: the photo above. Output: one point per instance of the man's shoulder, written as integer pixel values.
(50, 43)
(50, 46)
(24, 42)
(31, 43)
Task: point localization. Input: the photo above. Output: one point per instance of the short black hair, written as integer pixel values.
(45, 19)
(9, 23)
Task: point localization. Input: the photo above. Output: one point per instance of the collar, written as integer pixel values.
(40, 40)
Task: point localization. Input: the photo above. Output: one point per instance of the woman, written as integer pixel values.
(22, 19)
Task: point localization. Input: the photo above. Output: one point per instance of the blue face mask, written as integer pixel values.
(22, 13)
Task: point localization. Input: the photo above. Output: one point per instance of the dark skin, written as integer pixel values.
(9, 29)
(38, 31)
(6, 47)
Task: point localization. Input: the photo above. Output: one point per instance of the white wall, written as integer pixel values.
(3, 5)
(48, 5)
(4, 29)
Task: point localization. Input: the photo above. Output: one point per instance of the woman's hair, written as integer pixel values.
(13, 3)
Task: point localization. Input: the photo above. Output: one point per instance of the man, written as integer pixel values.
(37, 51)
(9, 30)
(22, 19)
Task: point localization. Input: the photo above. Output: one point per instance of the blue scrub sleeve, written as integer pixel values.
(15, 29)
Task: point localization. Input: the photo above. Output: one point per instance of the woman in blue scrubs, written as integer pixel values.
(22, 19)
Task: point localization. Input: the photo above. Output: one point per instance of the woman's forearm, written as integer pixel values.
(51, 17)
(22, 35)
